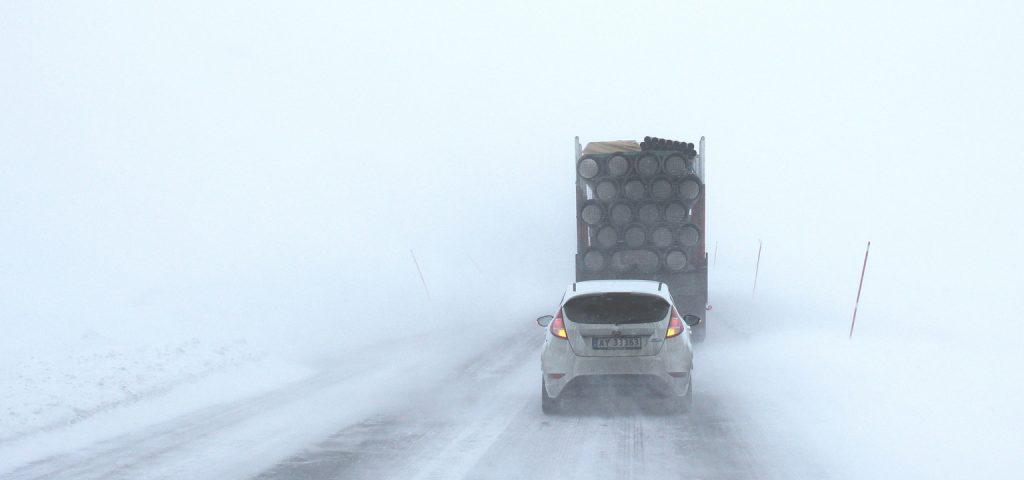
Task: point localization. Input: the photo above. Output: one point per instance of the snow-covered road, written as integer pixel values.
(461, 401)
(485, 422)
(473, 415)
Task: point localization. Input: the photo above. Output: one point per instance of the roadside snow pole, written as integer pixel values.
(757, 267)
(859, 287)
(477, 267)
(420, 272)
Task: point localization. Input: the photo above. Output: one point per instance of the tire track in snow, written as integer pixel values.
(635, 445)
(441, 435)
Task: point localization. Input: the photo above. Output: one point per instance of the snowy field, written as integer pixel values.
(49, 389)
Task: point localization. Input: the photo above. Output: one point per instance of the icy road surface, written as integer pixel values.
(480, 419)
(488, 424)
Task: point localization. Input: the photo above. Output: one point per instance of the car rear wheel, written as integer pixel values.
(547, 404)
(687, 400)
(680, 405)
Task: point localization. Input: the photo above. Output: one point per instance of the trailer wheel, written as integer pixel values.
(698, 333)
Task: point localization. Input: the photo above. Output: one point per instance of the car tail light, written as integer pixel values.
(558, 326)
(675, 325)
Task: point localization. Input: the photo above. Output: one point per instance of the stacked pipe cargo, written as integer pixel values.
(637, 210)
(655, 143)
(640, 215)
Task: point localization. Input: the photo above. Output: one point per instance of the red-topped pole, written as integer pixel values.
(420, 272)
(859, 287)
(757, 268)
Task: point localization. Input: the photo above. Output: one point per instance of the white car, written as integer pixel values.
(624, 333)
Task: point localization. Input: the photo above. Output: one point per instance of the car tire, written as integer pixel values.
(679, 405)
(687, 403)
(548, 405)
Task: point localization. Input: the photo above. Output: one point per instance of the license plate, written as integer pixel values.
(616, 343)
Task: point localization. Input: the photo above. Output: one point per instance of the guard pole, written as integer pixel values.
(859, 287)
(757, 267)
(425, 289)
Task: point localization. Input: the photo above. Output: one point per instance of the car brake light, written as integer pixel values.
(558, 326)
(675, 325)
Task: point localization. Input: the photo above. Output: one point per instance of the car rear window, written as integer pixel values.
(616, 308)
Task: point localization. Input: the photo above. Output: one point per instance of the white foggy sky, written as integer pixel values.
(245, 160)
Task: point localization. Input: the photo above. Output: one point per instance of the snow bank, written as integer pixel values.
(46, 386)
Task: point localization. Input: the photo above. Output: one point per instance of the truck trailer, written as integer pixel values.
(640, 214)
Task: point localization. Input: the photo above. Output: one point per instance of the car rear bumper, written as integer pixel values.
(662, 373)
(640, 385)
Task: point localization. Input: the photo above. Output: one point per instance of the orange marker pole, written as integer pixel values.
(421, 274)
(757, 268)
(859, 287)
